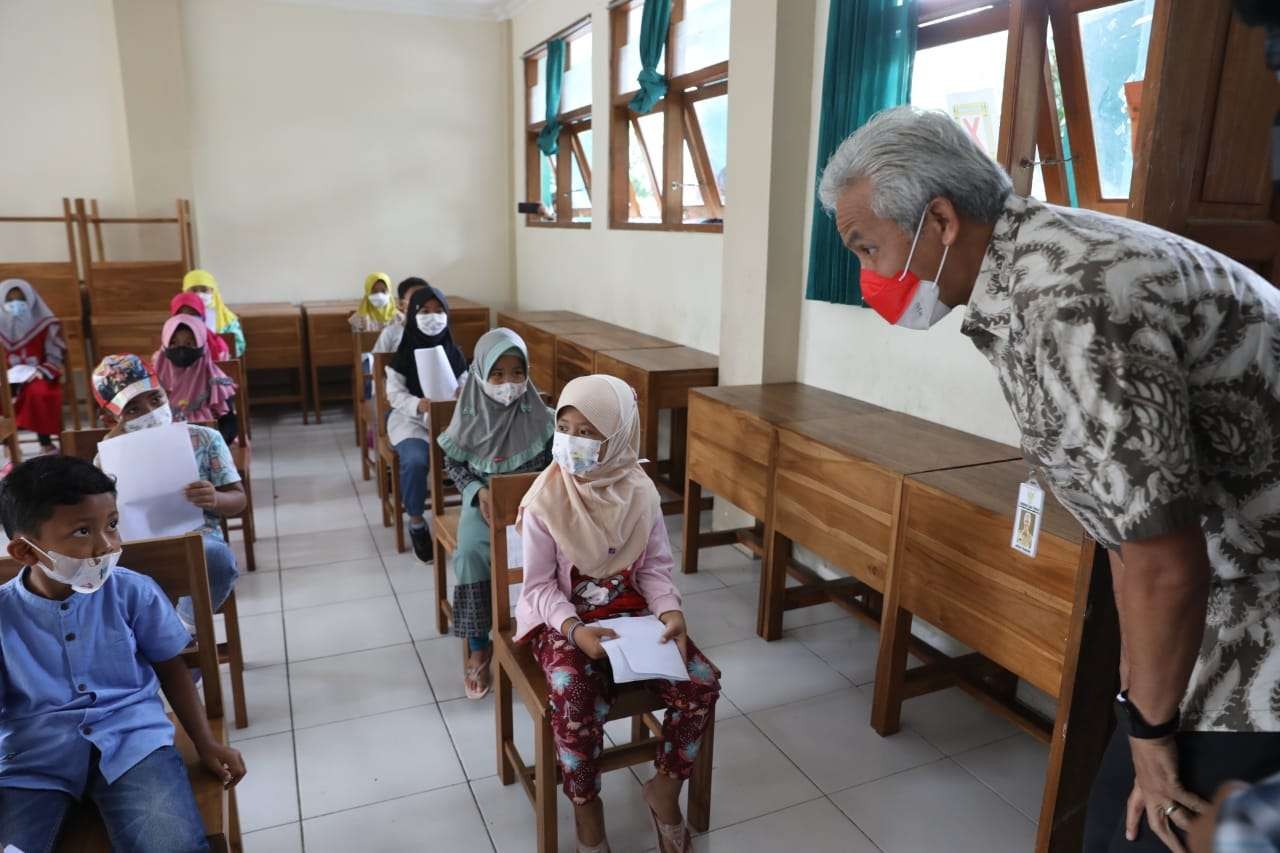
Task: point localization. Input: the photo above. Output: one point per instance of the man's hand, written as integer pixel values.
(676, 630)
(223, 761)
(1155, 788)
(485, 500)
(202, 493)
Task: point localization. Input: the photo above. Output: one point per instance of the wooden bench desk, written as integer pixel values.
(124, 286)
(836, 490)
(328, 334)
(273, 334)
(468, 320)
(731, 450)
(539, 329)
(136, 332)
(576, 352)
(1032, 619)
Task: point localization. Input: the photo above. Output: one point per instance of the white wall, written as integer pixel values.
(329, 143)
(665, 284)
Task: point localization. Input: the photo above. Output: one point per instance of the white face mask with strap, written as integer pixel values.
(432, 324)
(83, 574)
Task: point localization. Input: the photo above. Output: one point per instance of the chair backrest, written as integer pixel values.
(83, 443)
(230, 340)
(234, 368)
(441, 413)
(8, 419)
(381, 408)
(505, 493)
(116, 286)
(177, 565)
(361, 343)
(59, 286)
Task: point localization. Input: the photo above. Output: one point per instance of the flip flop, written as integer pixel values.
(472, 675)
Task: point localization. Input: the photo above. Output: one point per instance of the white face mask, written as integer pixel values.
(925, 308)
(575, 453)
(17, 308)
(207, 299)
(82, 574)
(432, 324)
(505, 393)
(379, 300)
(161, 416)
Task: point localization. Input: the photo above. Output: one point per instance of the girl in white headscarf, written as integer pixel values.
(32, 337)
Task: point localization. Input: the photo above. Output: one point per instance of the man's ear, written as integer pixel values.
(21, 551)
(943, 212)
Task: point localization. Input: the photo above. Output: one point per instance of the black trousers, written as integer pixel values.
(1205, 761)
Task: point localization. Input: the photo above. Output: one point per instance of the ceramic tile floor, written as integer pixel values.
(360, 737)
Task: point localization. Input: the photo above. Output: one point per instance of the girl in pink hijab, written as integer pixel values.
(197, 388)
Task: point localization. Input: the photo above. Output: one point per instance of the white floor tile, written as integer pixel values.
(280, 839)
(718, 616)
(408, 573)
(365, 761)
(310, 488)
(420, 613)
(1014, 768)
(830, 738)
(731, 564)
(334, 582)
(268, 794)
(266, 692)
(265, 553)
(936, 807)
(799, 617)
(446, 819)
(472, 728)
(329, 546)
(257, 592)
(814, 827)
(755, 674)
(320, 516)
(263, 639)
(344, 687)
(951, 720)
(696, 582)
(334, 629)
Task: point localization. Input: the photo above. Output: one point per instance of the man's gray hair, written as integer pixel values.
(911, 157)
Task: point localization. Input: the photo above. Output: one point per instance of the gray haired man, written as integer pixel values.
(1143, 371)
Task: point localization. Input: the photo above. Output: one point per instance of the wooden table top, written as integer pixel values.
(902, 443)
(263, 309)
(543, 316)
(784, 402)
(615, 339)
(331, 306)
(462, 303)
(580, 326)
(995, 488)
(664, 359)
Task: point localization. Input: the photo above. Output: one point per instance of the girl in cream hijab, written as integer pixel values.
(596, 547)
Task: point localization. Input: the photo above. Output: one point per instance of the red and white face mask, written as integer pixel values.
(905, 299)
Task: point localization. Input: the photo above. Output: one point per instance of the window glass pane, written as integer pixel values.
(694, 205)
(966, 79)
(713, 119)
(584, 136)
(1114, 40)
(646, 174)
(628, 59)
(580, 199)
(549, 185)
(538, 94)
(577, 79)
(702, 38)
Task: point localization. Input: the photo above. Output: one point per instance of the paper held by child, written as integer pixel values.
(435, 374)
(515, 548)
(20, 373)
(638, 654)
(152, 467)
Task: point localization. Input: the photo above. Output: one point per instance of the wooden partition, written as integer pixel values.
(328, 340)
(274, 346)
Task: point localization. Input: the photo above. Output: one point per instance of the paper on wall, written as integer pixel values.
(435, 374)
(152, 467)
(637, 654)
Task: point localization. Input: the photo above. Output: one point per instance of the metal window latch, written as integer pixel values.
(1027, 164)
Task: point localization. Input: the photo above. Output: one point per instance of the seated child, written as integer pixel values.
(84, 645)
(132, 399)
(217, 316)
(595, 547)
(32, 336)
(500, 426)
(197, 388)
(375, 311)
(389, 340)
(191, 305)
(407, 421)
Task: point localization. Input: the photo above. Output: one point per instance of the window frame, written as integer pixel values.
(680, 127)
(572, 123)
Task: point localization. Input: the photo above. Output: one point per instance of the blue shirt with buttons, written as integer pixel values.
(77, 674)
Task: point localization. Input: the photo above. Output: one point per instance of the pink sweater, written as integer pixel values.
(544, 600)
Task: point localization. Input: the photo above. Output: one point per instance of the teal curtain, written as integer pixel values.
(653, 39)
(549, 136)
(871, 45)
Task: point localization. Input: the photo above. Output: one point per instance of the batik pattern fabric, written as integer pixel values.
(1143, 371)
(580, 692)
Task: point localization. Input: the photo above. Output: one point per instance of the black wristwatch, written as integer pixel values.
(1133, 724)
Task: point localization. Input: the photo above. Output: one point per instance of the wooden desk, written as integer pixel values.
(539, 329)
(576, 352)
(273, 334)
(328, 342)
(468, 320)
(136, 332)
(836, 490)
(1034, 619)
(732, 444)
(662, 379)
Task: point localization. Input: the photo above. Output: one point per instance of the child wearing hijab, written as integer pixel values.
(389, 340)
(197, 388)
(217, 316)
(500, 426)
(33, 338)
(596, 547)
(427, 325)
(189, 304)
(376, 310)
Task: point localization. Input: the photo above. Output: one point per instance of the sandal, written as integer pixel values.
(476, 686)
(672, 838)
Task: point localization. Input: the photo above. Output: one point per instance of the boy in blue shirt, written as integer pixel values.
(83, 647)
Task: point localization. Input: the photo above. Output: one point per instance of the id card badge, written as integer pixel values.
(1026, 519)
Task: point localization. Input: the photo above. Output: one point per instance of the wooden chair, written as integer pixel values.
(444, 518)
(516, 670)
(241, 453)
(387, 461)
(83, 444)
(361, 343)
(8, 418)
(177, 565)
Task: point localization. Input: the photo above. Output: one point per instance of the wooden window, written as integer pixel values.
(561, 183)
(667, 171)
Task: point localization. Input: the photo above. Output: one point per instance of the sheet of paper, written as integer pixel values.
(20, 373)
(515, 548)
(637, 654)
(435, 374)
(151, 468)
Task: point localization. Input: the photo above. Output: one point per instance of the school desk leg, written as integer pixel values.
(773, 586)
(692, 523)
